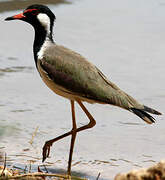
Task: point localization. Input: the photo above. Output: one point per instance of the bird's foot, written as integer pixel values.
(46, 150)
(69, 177)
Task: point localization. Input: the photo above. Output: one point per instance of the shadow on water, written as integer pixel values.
(33, 165)
(8, 131)
(18, 4)
(26, 168)
(14, 69)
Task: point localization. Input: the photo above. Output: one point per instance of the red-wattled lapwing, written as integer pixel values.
(70, 75)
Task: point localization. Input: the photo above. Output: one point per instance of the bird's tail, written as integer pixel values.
(145, 116)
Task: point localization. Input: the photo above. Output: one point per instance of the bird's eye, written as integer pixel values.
(33, 12)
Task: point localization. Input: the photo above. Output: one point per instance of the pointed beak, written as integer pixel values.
(18, 16)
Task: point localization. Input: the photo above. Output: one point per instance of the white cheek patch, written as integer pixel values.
(44, 20)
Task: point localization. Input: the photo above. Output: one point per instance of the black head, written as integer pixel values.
(35, 14)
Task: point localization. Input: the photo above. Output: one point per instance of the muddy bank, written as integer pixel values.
(156, 172)
(17, 4)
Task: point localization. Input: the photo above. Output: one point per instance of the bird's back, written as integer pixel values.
(80, 78)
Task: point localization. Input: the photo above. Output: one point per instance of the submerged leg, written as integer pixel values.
(48, 144)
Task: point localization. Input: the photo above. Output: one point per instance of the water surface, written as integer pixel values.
(125, 39)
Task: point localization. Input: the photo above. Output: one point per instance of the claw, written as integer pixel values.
(46, 150)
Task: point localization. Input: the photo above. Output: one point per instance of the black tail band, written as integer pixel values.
(143, 115)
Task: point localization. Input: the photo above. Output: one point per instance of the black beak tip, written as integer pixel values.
(9, 18)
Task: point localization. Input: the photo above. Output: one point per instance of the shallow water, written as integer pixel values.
(125, 39)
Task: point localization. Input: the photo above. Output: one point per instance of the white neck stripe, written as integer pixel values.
(45, 21)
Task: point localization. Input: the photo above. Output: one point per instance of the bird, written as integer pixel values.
(70, 75)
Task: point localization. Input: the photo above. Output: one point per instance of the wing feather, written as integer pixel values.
(79, 77)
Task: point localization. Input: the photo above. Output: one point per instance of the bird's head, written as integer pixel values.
(36, 15)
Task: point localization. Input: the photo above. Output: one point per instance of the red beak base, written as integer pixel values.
(18, 16)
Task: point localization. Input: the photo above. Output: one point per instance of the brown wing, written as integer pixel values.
(78, 76)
